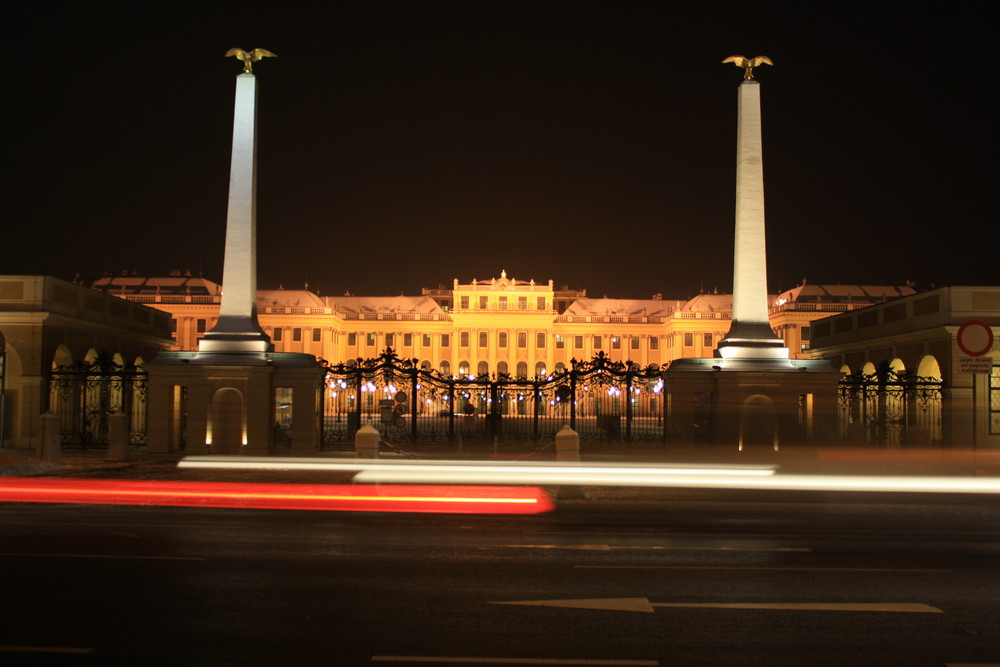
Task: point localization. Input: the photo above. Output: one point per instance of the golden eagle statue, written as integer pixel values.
(249, 57)
(748, 64)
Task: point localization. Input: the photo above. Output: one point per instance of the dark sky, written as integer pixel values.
(404, 144)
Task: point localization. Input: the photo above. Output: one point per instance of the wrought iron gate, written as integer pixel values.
(85, 394)
(890, 409)
(406, 399)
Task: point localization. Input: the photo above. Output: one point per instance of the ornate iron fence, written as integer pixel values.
(890, 408)
(405, 399)
(85, 394)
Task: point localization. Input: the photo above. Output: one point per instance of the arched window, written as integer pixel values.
(540, 369)
(522, 370)
(483, 368)
(560, 367)
(425, 365)
(463, 368)
(502, 367)
(445, 368)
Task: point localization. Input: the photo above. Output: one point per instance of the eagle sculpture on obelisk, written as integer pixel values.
(746, 63)
(249, 57)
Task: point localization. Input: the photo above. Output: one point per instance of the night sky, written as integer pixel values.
(404, 144)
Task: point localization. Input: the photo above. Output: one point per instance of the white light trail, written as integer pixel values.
(705, 476)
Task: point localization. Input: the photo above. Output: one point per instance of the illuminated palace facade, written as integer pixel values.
(499, 325)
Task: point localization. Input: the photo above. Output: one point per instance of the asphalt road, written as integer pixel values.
(652, 578)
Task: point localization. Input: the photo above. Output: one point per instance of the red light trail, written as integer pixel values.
(330, 497)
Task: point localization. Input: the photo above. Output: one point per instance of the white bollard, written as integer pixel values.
(567, 444)
(118, 440)
(366, 442)
(50, 448)
(568, 449)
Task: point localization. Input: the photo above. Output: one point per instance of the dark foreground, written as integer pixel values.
(644, 578)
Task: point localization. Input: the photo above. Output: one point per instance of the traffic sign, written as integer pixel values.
(976, 365)
(975, 338)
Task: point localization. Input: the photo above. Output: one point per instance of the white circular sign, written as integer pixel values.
(975, 338)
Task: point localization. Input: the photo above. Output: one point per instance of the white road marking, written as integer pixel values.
(44, 649)
(765, 568)
(27, 555)
(605, 604)
(607, 547)
(584, 547)
(514, 661)
(896, 607)
(697, 548)
(645, 606)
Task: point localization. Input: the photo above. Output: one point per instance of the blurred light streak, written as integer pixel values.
(865, 483)
(705, 476)
(340, 497)
(516, 469)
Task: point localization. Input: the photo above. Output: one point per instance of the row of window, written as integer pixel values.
(464, 303)
(278, 335)
(541, 340)
(483, 368)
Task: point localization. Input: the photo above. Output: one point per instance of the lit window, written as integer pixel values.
(482, 303)
(540, 304)
(370, 339)
(522, 303)
(464, 303)
(560, 342)
(502, 305)
(616, 343)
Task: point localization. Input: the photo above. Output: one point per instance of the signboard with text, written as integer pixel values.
(977, 365)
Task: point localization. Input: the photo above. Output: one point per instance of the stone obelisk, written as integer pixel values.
(237, 331)
(750, 335)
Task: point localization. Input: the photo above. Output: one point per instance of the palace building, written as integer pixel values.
(499, 325)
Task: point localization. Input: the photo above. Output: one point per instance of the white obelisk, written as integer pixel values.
(237, 331)
(750, 335)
